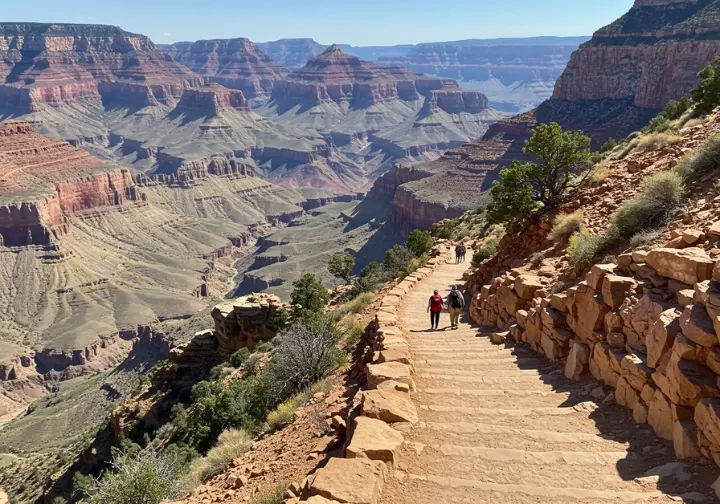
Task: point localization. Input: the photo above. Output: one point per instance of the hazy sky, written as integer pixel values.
(357, 22)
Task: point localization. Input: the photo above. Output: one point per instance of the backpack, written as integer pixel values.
(435, 303)
(463, 249)
(458, 250)
(455, 299)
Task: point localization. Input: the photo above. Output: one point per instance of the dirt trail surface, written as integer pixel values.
(504, 425)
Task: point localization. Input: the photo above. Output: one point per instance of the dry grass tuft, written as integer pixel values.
(565, 225)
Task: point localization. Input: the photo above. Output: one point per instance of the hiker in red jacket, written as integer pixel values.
(435, 307)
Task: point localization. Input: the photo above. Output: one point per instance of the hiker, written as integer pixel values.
(463, 251)
(455, 303)
(458, 253)
(435, 307)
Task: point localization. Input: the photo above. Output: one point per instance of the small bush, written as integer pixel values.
(351, 337)
(565, 225)
(536, 259)
(275, 496)
(656, 140)
(600, 174)
(656, 202)
(558, 287)
(282, 415)
(397, 259)
(707, 95)
(309, 295)
(231, 444)
(341, 265)
(693, 122)
(420, 242)
(583, 248)
(238, 358)
(659, 124)
(356, 305)
(705, 160)
(676, 108)
(608, 146)
(643, 238)
(486, 250)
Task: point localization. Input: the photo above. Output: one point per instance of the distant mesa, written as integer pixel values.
(292, 53)
(211, 100)
(235, 63)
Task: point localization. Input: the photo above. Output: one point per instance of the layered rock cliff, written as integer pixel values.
(292, 53)
(58, 63)
(234, 63)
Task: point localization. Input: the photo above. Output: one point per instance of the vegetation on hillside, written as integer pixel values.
(563, 162)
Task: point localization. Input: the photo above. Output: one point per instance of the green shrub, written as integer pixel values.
(565, 225)
(486, 250)
(703, 161)
(656, 202)
(282, 415)
(341, 265)
(536, 259)
(707, 95)
(351, 337)
(419, 242)
(600, 174)
(231, 444)
(659, 124)
(238, 358)
(397, 260)
(654, 141)
(676, 108)
(644, 237)
(608, 146)
(356, 305)
(274, 496)
(583, 248)
(145, 477)
(308, 295)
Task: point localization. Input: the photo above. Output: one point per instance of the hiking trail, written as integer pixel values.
(502, 424)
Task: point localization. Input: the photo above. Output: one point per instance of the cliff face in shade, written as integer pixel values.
(292, 53)
(59, 63)
(234, 63)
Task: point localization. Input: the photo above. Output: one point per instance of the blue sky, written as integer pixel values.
(357, 22)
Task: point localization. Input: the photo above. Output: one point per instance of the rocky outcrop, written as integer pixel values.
(46, 180)
(54, 64)
(335, 76)
(210, 101)
(454, 100)
(234, 63)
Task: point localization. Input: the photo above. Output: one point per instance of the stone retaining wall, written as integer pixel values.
(372, 445)
(647, 326)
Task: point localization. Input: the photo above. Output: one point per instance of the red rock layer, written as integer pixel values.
(335, 76)
(43, 181)
(454, 100)
(234, 63)
(61, 62)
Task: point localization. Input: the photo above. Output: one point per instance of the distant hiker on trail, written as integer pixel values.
(463, 251)
(455, 303)
(458, 253)
(435, 307)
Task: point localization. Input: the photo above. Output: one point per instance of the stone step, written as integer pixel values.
(506, 371)
(474, 397)
(580, 469)
(502, 436)
(525, 382)
(481, 362)
(430, 488)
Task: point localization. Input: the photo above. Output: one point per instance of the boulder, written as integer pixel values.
(399, 354)
(690, 265)
(684, 348)
(690, 382)
(713, 360)
(639, 256)
(596, 275)
(624, 261)
(692, 236)
(616, 340)
(635, 371)
(707, 419)
(521, 316)
(685, 439)
(600, 366)
(388, 406)
(640, 412)
(578, 360)
(498, 338)
(393, 385)
(615, 289)
(625, 395)
(697, 325)
(395, 371)
(662, 336)
(375, 440)
(686, 297)
(591, 310)
(550, 347)
(527, 285)
(660, 416)
(352, 481)
(316, 499)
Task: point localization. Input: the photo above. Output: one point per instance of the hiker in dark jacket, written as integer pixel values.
(458, 253)
(435, 307)
(455, 303)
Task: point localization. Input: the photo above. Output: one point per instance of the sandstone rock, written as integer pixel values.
(624, 261)
(615, 289)
(316, 499)
(375, 440)
(660, 417)
(550, 347)
(616, 340)
(4, 499)
(713, 360)
(697, 325)
(639, 256)
(600, 366)
(647, 393)
(684, 439)
(577, 361)
(395, 371)
(692, 236)
(686, 297)
(522, 316)
(707, 419)
(498, 338)
(662, 336)
(635, 371)
(640, 413)
(508, 300)
(689, 265)
(684, 348)
(613, 323)
(352, 481)
(596, 275)
(526, 286)
(388, 406)
(625, 395)
(393, 385)
(393, 355)
(690, 382)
